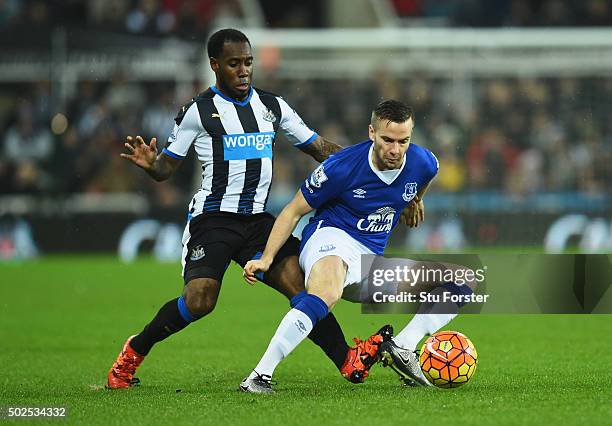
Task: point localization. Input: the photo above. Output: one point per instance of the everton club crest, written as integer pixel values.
(410, 191)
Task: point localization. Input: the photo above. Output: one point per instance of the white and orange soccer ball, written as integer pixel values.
(448, 359)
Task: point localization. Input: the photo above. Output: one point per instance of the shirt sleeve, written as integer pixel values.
(324, 184)
(432, 164)
(293, 127)
(186, 130)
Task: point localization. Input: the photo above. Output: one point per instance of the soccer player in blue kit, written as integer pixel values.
(358, 193)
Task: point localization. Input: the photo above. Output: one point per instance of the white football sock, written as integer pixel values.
(420, 326)
(294, 328)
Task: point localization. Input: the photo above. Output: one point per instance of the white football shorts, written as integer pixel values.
(330, 241)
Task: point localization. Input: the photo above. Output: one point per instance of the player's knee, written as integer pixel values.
(287, 277)
(291, 287)
(200, 297)
(199, 303)
(330, 296)
(329, 289)
(326, 279)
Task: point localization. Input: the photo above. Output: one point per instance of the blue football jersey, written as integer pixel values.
(351, 194)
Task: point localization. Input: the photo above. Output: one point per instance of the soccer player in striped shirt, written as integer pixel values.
(233, 127)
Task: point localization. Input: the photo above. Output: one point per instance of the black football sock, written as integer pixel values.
(328, 335)
(169, 320)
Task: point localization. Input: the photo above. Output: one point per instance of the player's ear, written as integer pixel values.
(371, 132)
(214, 64)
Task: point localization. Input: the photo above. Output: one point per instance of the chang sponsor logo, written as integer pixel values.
(379, 221)
(248, 145)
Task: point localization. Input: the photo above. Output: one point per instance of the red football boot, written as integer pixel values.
(121, 374)
(361, 357)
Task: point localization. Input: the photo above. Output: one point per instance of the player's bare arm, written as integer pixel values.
(159, 167)
(321, 148)
(283, 227)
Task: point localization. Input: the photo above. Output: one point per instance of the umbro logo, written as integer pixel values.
(359, 193)
(301, 327)
(197, 253)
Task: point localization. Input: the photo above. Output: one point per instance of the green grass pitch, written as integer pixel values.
(63, 320)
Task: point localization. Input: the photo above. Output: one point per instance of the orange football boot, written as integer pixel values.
(121, 374)
(361, 357)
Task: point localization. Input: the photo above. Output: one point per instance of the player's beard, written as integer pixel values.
(392, 163)
(231, 89)
(247, 83)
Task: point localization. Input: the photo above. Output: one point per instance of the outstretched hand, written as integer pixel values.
(414, 213)
(253, 267)
(140, 153)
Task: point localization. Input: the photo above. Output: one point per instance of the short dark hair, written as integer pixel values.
(218, 39)
(391, 110)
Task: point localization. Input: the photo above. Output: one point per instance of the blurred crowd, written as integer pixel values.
(150, 17)
(517, 136)
(78, 149)
(512, 135)
(184, 18)
(507, 13)
(193, 18)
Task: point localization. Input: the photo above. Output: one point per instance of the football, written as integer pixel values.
(448, 359)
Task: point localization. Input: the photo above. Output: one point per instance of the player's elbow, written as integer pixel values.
(293, 212)
(162, 175)
(288, 214)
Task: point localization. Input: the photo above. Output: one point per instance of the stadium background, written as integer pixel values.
(512, 95)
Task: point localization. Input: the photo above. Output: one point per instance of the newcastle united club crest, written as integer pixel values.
(269, 116)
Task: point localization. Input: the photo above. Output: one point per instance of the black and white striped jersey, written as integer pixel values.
(234, 141)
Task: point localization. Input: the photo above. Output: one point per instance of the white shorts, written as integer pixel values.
(329, 241)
